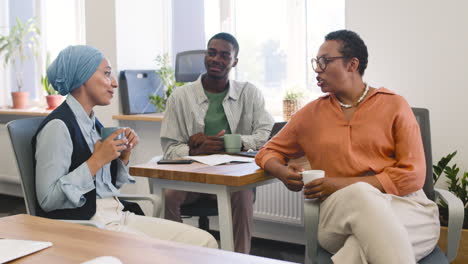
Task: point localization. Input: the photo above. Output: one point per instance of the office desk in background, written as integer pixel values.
(73, 243)
(220, 180)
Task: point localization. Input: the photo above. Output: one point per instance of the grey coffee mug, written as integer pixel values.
(107, 131)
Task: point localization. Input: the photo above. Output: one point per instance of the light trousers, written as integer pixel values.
(360, 224)
(242, 213)
(109, 212)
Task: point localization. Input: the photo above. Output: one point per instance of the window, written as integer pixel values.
(277, 39)
(62, 24)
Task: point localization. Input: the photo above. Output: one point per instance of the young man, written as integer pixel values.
(199, 113)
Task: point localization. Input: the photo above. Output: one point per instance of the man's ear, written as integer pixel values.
(235, 63)
(353, 65)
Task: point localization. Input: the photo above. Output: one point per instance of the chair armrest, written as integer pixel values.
(456, 211)
(86, 223)
(311, 225)
(141, 197)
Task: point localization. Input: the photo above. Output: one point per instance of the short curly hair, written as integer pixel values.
(229, 38)
(352, 46)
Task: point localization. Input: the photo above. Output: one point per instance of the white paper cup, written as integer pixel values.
(310, 175)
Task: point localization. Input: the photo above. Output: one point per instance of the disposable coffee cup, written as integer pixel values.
(232, 143)
(310, 175)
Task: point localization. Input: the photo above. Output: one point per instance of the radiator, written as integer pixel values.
(275, 203)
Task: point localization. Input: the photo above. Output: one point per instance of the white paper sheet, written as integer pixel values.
(217, 159)
(11, 249)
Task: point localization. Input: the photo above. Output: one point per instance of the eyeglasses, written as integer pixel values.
(321, 63)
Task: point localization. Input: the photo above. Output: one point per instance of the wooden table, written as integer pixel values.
(73, 243)
(220, 180)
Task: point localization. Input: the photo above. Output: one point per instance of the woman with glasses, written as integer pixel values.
(368, 142)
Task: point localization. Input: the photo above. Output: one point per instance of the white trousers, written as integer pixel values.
(109, 212)
(360, 224)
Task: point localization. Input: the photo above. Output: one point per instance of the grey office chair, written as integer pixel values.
(21, 132)
(315, 254)
(189, 65)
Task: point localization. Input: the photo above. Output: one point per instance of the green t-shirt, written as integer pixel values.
(215, 119)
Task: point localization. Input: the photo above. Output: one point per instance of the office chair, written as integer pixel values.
(189, 65)
(205, 207)
(316, 254)
(21, 132)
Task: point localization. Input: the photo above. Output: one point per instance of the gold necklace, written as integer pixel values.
(358, 101)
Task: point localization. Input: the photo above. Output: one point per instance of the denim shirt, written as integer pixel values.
(56, 187)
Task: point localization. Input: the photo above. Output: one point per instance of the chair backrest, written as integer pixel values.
(276, 128)
(422, 116)
(189, 65)
(21, 132)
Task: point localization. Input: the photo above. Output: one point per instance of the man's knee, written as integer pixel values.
(244, 198)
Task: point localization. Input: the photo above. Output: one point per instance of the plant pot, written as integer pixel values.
(20, 99)
(53, 101)
(290, 107)
(462, 256)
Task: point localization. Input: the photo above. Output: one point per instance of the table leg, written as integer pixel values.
(225, 220)
(159, 191)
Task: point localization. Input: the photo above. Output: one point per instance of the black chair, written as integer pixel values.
(205, 207)
(189, 65)
(316, 254)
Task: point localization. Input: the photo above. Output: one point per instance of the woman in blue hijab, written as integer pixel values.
(78, 175)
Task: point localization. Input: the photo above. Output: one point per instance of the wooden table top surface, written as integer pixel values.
(228, 174)
(73, 243)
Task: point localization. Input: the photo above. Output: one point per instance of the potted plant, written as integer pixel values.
(292, 101)
(457, 186)
(16, 47)
(53, 97)
(166, 73)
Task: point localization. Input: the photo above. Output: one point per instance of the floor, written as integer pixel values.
(10, 205)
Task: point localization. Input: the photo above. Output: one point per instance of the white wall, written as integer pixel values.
(419, 49)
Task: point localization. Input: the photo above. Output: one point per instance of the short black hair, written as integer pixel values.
(352, 46)
(229, 38)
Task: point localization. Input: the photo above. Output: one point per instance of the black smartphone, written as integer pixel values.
(175, 161)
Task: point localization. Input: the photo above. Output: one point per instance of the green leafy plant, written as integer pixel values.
(167, 75)
(294, 93)
(19, 45)
(45, 80)
(456, 185)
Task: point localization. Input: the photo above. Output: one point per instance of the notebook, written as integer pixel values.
(11, 249)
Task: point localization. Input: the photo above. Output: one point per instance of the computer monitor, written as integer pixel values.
(189, 65)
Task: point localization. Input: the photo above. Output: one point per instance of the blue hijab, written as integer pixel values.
(73, 66)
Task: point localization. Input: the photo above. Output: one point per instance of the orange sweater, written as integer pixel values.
(381, 138)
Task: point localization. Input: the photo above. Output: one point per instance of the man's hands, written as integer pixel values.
(200, 144)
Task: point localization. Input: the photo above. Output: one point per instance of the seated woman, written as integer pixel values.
(77, 174)
(367, 140)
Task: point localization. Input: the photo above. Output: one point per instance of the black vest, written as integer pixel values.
(81, 153)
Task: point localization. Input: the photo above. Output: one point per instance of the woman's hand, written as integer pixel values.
(133, 141)
(324, 187)
(289, 175)
(106, 151)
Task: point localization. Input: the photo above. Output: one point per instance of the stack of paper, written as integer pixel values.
(11, 249)
(217, 159)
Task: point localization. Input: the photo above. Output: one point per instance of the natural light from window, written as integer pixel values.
(277, 39)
